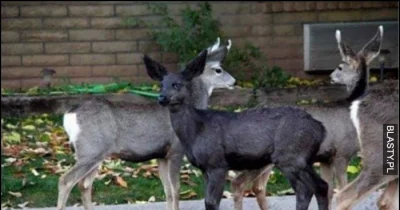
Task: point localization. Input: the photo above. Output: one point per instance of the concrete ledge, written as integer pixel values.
(275, 203)
(24, 105)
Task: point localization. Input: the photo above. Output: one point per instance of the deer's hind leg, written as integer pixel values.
(67, 181)
(259, 185)
(85, 186)
(365, 183)
(387, 200)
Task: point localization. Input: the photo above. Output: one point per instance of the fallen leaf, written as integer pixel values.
(152, 199)
(189, 195)
(34, 172)
(22, 205)
(227, 194)
(189, 182)
(16, 194)
(120, 181)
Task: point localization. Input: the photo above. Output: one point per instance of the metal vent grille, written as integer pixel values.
(320, 47)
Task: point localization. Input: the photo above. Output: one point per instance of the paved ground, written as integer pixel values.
(275, 203)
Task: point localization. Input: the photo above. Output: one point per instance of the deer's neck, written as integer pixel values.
(186, 122)
(199, 94)
(360, 88)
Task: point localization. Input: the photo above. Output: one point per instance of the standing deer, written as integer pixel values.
(99, 128)
(218, 141)
(334, 154)
(370, 109)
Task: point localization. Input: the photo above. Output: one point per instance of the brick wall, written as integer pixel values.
(86, 41)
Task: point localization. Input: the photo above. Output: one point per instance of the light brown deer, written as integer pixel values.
(370, 109)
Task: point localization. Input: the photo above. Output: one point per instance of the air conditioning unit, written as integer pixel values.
(320, 46)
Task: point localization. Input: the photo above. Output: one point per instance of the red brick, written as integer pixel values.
(261, 30)
(277, 6)
(67, 47)
(394, 4)
(20, 72)
(111, 22)
(92, 80)
(284, 52)
(148, 46)
(45, 60)
(327, 5)
(115, 46)
(169, 57)
(289, 64)
(260, 42)
(298, 17)
(222, 8)
(236, 31)
(44, 35)
(9, 11)
(356, 4)
(250, 19)
(131, 58)
(90, 35)
(143, 80)
(331, 16)
(284, 30)
(9, 36)
(66, 23)
(287, 41)
(92, 59)
(132, 10)
(132, 34)
(30, 83)
(73, 71)
(10, 60)
(25, 23)
(21, 48)
(288, 6)
(98, 10)
(257, 7)
(380, 14)
(309, 5)
(43, 11)
(115, 70)
(11, 84)
(142, 72)
(344, 5)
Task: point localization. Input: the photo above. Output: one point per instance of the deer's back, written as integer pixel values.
(134, 132)
(256, 137)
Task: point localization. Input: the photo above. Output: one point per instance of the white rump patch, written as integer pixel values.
(338, 36)
(71, 126)
(354, 117)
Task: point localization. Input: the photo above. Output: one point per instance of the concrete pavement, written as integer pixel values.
(275, 203)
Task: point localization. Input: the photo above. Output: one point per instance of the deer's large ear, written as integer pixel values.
(218, 53)
(155, 70)
(372, 49)
(195, 67)
(346, 52)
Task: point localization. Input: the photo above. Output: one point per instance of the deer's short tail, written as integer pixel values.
(71, 126)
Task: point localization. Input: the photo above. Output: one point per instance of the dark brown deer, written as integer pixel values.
(218, 141)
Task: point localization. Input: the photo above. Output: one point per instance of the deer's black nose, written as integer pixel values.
(162, 100)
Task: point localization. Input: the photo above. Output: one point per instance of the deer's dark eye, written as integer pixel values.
(340, 68)
(218, 71)
(177, 86)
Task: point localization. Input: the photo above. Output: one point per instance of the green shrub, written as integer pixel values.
(198, 31)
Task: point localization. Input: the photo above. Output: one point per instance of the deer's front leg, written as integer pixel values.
(215, 188)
